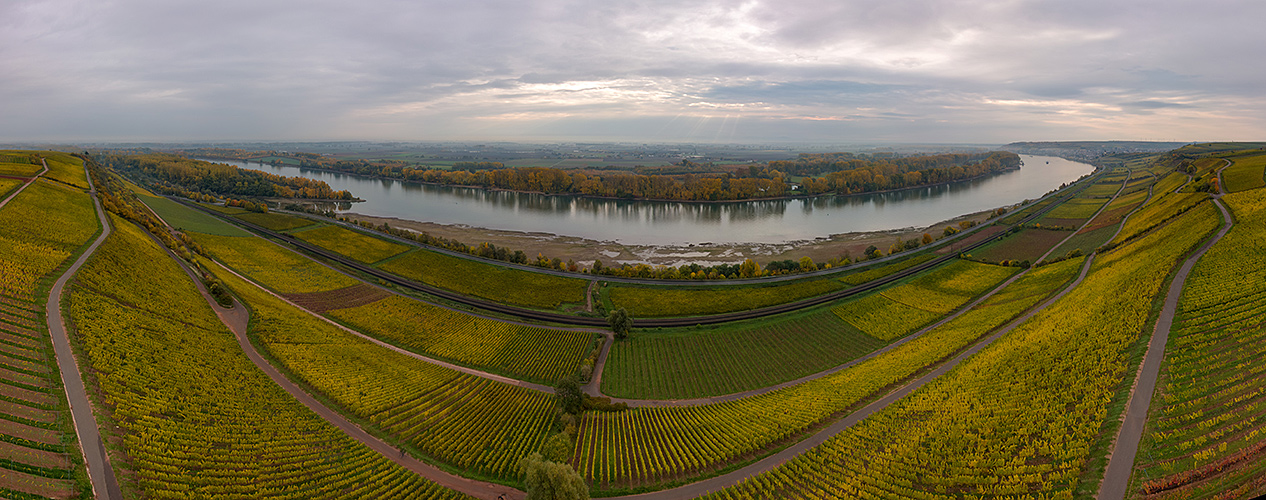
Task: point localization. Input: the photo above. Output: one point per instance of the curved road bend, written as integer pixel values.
(5, 201)
(237, 319)
(771, 462)
(100, 472)
(1121, 458)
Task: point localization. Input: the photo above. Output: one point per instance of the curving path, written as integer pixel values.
(100, 472)
(771, 462)
(237, 319)
(1121, 458)
(6, 199)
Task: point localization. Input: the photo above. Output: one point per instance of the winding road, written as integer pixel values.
(1121, 459)
(100, 472)
(237, 319)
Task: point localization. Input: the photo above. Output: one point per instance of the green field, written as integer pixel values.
(1076, 208)
(20, 169)
(8, 185)
(901, 310)
(353, 244)
(1027, 244)
(691, 363)
(698, 301)
(501, 284)
(273, 220)
(1245, 173)
(275, 267)
(532, 353)
(654, 445)
(190, 219)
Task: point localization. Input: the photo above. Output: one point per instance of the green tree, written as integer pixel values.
(749, 268)
(872, 252)
(621, 322)
(569, 395)
(806, 264)
(547, 480)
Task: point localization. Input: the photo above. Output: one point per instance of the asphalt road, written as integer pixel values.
(1121, 460)
(100, 472)
(237, 320)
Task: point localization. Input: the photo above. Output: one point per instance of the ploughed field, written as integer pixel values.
(1037, 361)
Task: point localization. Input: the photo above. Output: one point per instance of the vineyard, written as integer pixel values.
(275, 267)
(501, 284)
(194, 417)
(1019, 418)
(65, 169)
(691, 363)
(526, 352)
(653, 445)
(39, 230)
(1163, 206)
(347, 242)
(699, 301)
(465, 421)
(1245, 173)
(1207, 432)
(899, 311)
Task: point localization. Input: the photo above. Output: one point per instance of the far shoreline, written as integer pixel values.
(617, 198)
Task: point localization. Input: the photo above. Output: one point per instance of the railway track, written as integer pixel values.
(552, 317)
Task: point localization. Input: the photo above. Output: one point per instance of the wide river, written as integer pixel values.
(663, 222)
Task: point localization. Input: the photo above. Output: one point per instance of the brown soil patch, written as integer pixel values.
(1073, 223)
(31, 456)
(352, 296)
(36, 485)
(1028, 244)
(39, 398)
(981, 234)
(1108, 218)
(30, 433)
(585, 251)
(27, 412)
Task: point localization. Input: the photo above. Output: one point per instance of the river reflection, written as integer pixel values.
(658, 222)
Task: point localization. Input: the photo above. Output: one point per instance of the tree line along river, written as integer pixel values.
(668, 222)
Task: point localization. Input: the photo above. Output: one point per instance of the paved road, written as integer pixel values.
(771, 462)
(1121, 460)
(238, 319)
(28, 183)
(100, 472)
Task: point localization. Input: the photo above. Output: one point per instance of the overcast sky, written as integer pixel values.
(649, 71)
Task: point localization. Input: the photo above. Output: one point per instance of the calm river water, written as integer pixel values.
(660, 223)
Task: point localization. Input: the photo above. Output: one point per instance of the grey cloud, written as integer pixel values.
(290, 69)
